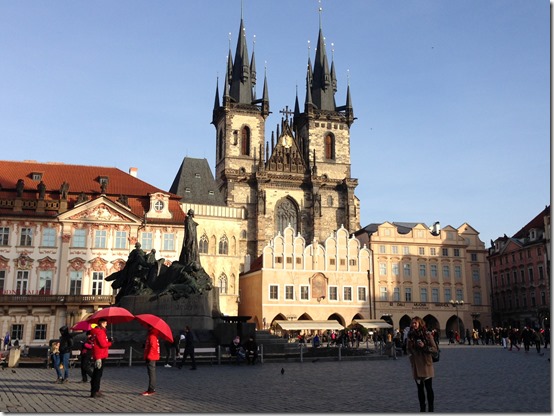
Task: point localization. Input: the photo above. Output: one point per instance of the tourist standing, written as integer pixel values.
(151, 357)
(421, 346)
(101, 344)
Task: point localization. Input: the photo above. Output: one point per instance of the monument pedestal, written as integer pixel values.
(199, 312)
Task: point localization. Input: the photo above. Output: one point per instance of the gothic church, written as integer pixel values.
(301, 176)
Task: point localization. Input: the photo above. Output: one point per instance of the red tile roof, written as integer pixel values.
(80, 179)
(537, 222)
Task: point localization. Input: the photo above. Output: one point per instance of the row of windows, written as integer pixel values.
(506, 278)
(507, 302)
(26, 237)
(512, 256)
(332, 293)
(332, 262)
(22, 283)
(450, 235)
(424, 295)
(422, 272)
(79, 239)
(41, 331)
(433, 251)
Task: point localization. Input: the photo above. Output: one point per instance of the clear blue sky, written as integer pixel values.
(452, 97)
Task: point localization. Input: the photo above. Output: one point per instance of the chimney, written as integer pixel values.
(133, 172)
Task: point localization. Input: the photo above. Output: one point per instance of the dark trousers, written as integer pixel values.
(95, 379)
(169, 351)
(86, 366)
(189, 353)
(251, 356)
(151, 370)
(425, 386)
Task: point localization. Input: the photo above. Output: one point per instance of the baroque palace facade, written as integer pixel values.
(63, 229)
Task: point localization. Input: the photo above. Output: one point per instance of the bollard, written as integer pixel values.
(262, 353)
(340, 352)
(218, 354)
(301, 353)
(130, 356)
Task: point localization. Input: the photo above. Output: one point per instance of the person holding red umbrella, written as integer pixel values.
(151, 356)
(100, 346)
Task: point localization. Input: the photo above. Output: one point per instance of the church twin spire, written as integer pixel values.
(321, 81)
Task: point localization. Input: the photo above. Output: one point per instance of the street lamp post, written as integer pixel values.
(457, 303)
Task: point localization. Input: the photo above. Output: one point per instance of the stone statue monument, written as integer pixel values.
(144, 275)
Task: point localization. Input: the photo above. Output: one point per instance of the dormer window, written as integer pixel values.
(159, 206)
(533, 234)
(187, 190)
(36, 176)
(210, 193)
(197, 175)
(103, 180)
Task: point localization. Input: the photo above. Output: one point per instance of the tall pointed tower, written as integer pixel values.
(301, 177)
(323, 133)
(240, 129)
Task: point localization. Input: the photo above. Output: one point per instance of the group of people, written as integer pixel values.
(244, 352)
(505, 336)
(94, 351)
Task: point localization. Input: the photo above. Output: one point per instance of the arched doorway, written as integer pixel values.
(405, 322)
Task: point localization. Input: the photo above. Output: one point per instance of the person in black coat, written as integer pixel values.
(66, 343)
(189, 349)
(251, 348)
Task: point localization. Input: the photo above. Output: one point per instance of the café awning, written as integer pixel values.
(308, 324)
(372, 323)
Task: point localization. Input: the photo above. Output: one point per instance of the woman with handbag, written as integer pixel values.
(421, 347)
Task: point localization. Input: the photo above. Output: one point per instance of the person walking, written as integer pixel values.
(189, 349)
(100, 346)
(171, 349)
(66, 342)
(151, 357)
(7, 340)
(421, 346)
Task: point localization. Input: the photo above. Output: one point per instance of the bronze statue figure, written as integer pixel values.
(189, 252)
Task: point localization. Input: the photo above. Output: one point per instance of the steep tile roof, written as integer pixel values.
(195, 183)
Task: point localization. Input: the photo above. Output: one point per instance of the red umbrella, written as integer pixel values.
(160, 326)
(83, 326)
(113, 314)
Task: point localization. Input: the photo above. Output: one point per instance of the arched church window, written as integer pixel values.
(286, 213)
(223, 284)
(223, 245)
(245, 141)
(329, 201)
(329, 146)
(203, 245)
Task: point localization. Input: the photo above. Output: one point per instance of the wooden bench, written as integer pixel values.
(74, 358)
(116, 354)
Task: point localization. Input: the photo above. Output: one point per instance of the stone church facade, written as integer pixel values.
(298, 177)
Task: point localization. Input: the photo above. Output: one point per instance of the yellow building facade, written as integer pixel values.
(417, 273)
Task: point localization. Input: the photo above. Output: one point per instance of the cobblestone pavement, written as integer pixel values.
(468, 379)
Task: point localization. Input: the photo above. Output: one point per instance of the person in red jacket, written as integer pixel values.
(100, 345)
(151, 356)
